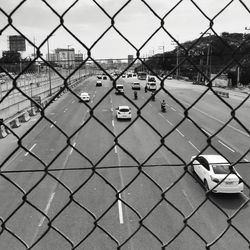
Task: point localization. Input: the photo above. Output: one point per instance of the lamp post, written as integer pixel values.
(163, 51)
(68, 60)
(209, 59)
(50, 88)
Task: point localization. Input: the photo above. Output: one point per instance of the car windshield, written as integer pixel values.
(124, 110)
(120, 87)
(221, 169)
(136, 83)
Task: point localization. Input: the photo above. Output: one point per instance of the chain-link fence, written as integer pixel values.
(201, 61)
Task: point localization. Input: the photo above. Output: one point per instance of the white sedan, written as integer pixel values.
(85, 97)
(123, 112)
(216, 174)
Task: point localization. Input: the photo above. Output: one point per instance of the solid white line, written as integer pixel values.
(245, 159)
(180, 132)
(120, 210)
(71, 151)
(30, 149)
(116, 149)
(226, 146)
(173, 109)
(194, 146)
(206, 132)
(113, 123)
(47, 208)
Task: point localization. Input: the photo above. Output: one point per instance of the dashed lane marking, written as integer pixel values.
(173, 109)
(30, 149)
(52, 125)
(180, 132)
(206, 132)
(71, 151)
(189, 201)
(47, 208)
(226, 146)
(193, 146)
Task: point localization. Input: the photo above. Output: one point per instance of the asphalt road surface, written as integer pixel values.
(83, 180)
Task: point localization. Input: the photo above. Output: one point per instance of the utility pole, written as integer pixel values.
(50, 88)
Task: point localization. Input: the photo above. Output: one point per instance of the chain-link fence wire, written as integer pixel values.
(140, 166)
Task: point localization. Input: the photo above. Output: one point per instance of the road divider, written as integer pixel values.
(222, 93)
(3, 132)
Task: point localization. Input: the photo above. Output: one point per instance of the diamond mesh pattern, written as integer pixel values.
(141, 168)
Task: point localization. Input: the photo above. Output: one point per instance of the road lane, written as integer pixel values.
(82, 203)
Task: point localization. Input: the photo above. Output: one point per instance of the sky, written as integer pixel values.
(137, 24)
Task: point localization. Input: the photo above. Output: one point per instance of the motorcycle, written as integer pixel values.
(163, 108)
(152, 96)
(135, 95)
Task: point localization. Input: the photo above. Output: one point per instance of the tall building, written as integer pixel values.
(78, 59)
(65, 57)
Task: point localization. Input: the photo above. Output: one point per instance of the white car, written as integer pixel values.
(85, 97)
(212, 169)
(123, 112)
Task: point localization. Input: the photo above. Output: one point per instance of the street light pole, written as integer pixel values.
(50, 88)
(68, 59)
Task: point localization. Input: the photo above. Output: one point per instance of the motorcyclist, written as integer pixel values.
(152, 96)
(163, 106)
(135, 95)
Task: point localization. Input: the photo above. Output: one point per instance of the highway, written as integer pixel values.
(92, 182)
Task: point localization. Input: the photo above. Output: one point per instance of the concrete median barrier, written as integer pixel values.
(15, 123)
(3, 132)
(222, 93)
(32, 111)
(24, 117)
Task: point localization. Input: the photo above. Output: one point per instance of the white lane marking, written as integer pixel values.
(173, 109)
(120, 210)
(194, 146)
(189, 201)
(71, 151)
(113, 123)
(52, 125)
(73, 101)
(166, 119)
(226, 146)
(30, 149)
(181, 114)
(210, 116)
(115, 149)
(170, 122)
(65, 110)
(47, 208)
(150, 104)
(206, 132)
(180, 132)
(245, 159)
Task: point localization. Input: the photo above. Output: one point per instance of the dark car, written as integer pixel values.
(98, 83)
(104, 77)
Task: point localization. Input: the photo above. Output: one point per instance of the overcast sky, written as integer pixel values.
(135, 21)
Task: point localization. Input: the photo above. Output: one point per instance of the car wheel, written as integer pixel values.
(206, 185)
